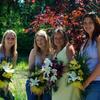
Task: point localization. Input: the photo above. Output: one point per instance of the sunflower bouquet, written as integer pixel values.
(41, 79)
(78, 71)
(6, 73)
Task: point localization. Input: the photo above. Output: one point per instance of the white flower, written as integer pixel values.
(53, 78)
(92, 12)
(21, 1)
(7, 69)
(79, 78)
(47, 62)
(69, 80)
(72, 75)
(45, 76)
(47, 70)
(34, 82)
(54, 71)
(46, 73)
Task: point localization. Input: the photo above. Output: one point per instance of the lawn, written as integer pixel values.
(19, 78)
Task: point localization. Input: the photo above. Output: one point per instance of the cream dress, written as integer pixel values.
(65, 92)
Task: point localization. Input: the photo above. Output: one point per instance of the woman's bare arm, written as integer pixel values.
(31, 59)
(96, 71)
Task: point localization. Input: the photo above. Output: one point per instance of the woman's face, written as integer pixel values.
(10, 39)
(88, 25)
(40, 41)
(58, 40)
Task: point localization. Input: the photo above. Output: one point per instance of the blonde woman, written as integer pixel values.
(8, 47)
(37, 55)
(8, 52)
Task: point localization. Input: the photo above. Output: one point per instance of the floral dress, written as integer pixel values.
(65, 92)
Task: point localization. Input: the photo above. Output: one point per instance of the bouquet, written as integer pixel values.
(6, 73)
(42, 78)
(78, 71)
(58, 65)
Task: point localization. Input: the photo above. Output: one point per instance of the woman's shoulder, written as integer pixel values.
(70, 47)
(0, 48)
(1, 51)
(16, 53)
(33, 52)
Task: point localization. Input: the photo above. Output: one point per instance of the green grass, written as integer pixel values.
(19, 78)
(22, 64)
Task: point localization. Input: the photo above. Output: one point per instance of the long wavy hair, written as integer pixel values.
(13, 49)
(42, 33)
(96, 21)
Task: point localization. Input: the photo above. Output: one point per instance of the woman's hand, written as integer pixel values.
(86, 84)
(88, 81)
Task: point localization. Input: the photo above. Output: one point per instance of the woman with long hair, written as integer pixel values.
(91, 26)
(63, 51)
(8, 46)
(8, 52)
(37, 56)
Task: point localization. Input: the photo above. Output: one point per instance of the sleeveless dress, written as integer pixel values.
(2, 57)
(31, 96)
(65, 92)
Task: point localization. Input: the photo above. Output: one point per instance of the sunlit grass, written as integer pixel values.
(18, 81)
(22, 64)
(18, 86)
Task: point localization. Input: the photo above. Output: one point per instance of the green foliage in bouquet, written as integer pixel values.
(42, 79)
(78, 70)
(6, 73)
(82, 60)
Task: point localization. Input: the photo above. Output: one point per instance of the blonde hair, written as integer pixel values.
(42, 33)
(13, 49)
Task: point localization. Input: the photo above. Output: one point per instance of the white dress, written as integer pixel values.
(65, 92)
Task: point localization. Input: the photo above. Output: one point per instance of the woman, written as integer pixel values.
(91, 26)
(37, 55)
(8, 52)
(64, 52)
